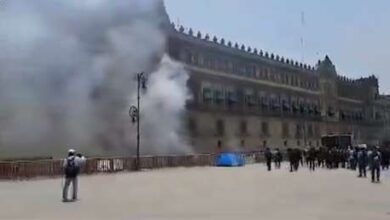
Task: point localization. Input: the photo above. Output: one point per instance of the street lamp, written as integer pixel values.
(134, 112)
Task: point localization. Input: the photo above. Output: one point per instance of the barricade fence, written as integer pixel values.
(19, 170)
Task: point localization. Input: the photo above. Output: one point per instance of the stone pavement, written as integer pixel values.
(204, 193)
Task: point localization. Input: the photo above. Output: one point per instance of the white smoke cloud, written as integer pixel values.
(67, 72)
(163, 109)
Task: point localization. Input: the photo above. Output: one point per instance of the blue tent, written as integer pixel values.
(230, 160)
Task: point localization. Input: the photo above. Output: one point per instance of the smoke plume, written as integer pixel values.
(67, 78)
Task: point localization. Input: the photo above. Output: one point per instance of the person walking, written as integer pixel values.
(311, 158)
(362, 159)
(72, 165)
(268, 158)
(375, 164)
(278, 158)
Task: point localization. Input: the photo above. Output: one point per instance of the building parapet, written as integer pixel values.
(221, 42)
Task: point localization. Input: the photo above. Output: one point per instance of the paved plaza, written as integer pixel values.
(213, 193)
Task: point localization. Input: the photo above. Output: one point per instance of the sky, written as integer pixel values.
(354, 33)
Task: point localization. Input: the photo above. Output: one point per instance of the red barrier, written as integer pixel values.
(12, 170)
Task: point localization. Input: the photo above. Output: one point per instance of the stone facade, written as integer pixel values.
(246, 99)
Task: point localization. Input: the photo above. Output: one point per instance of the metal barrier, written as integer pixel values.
(14, 170)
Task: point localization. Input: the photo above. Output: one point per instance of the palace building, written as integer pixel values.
(247, 99)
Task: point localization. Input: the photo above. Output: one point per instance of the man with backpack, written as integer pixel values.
(72, 165)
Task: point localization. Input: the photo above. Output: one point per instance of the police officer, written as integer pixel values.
(375, 160)
(278, 157)
(268, 158)
(385, 159)
(311, 158)
(362, 159)
(297, 158)
(290, 158)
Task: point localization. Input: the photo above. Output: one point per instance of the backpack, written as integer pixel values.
(376, 159)
(362, 157)
(71, 169)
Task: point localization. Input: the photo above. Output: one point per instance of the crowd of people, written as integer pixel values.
(360, 159)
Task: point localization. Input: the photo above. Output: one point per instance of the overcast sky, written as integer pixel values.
(354, 33)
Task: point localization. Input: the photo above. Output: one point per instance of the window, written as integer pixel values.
(219, 96)
(219, 144)
(258, 73)
(264, 101)
(248, 70)
(220, 127)
(192, 126)
(250, 99)
(268, 73)
(285, 105)
(264, 73)
(298, 131)
(275, 102)
(232, 97)
(186, 56)
(310, 131)
(295, 106)
(207, 95)
(230, 66)
(206, 61)
(243, 143)
(243, 128)
(317, 131)
(195, 59)
(225, 65)
(239, 69)
(264, 129)
(285, 130)
(271, 75)
(254, 70)
(264, 144)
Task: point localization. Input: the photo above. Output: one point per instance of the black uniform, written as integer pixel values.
(385, 159)
(311, 157)
(268, 158)
(362, 160)
(278, 159)
(375, 159)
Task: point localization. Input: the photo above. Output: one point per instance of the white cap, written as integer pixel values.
(71, 151)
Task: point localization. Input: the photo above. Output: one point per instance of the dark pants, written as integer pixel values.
(375, 173)
(385, 165)
(277, 164)
(68, 181)
(269, 164)
(362, 170)
(353, 164)
(296, 165)
(312, 165)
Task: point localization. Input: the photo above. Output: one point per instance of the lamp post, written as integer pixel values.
(134, 112)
